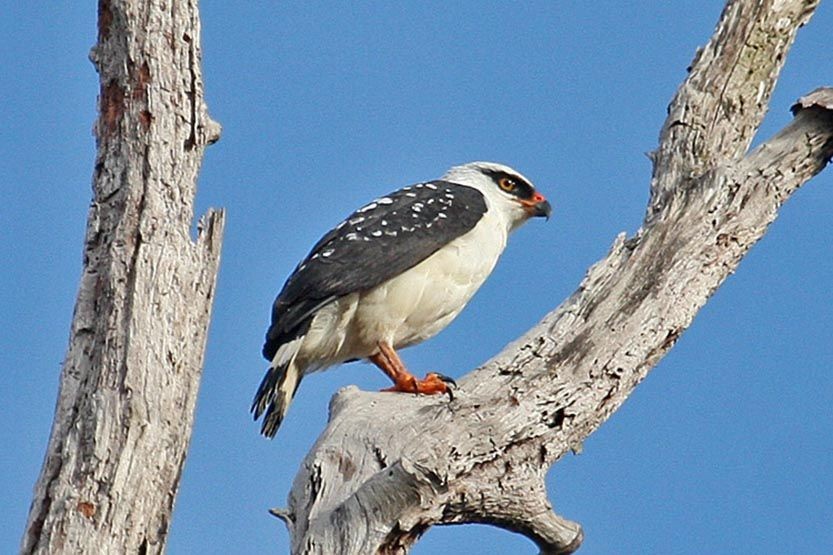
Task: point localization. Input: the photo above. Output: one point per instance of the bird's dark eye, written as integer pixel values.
(508, 184)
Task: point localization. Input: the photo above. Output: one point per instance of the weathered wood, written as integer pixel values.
(388, 467)
(129, 382)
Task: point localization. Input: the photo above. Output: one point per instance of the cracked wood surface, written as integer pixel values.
(130, 378)
(388, 467)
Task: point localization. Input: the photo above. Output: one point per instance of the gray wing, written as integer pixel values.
(374, 244)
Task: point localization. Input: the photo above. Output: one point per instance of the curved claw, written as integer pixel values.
(444, 378)
(450, 384)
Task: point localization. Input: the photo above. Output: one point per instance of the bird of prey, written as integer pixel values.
(393, 274)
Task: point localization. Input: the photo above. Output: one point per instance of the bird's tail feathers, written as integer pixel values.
(276, 392)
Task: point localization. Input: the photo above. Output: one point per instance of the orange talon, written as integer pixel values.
(403, 381)
(431, 384)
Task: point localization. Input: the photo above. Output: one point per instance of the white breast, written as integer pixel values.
(423, 300)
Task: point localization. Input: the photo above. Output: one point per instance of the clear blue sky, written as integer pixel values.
(727, 447)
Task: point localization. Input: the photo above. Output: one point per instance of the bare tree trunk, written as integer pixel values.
(130, 379)
(389, 467)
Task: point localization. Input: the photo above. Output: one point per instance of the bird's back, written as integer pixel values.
(374, 244)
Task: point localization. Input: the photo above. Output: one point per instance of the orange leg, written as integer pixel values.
(389, 362)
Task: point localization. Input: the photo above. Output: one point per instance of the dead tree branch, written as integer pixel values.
(130, 379)
(390, 466)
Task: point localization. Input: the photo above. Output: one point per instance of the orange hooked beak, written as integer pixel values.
(537, 206)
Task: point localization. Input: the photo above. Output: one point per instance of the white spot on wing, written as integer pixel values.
(376, 233)
(385, 200)
(431, 186)
(367, 208)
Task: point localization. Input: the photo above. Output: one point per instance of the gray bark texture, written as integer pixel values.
(130, 379)
(388, 467)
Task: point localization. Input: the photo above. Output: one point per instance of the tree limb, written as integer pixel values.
(388, 467)
(131, 375)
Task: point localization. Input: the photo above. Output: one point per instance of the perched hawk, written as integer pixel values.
(393, 274)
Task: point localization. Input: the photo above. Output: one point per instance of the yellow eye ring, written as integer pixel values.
(507, 184)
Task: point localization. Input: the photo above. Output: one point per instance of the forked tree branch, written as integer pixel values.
(388, 467)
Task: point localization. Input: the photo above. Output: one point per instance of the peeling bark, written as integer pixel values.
(388, 467)
(129, 382)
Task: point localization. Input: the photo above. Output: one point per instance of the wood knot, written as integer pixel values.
(112, 108)
(86, 508)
